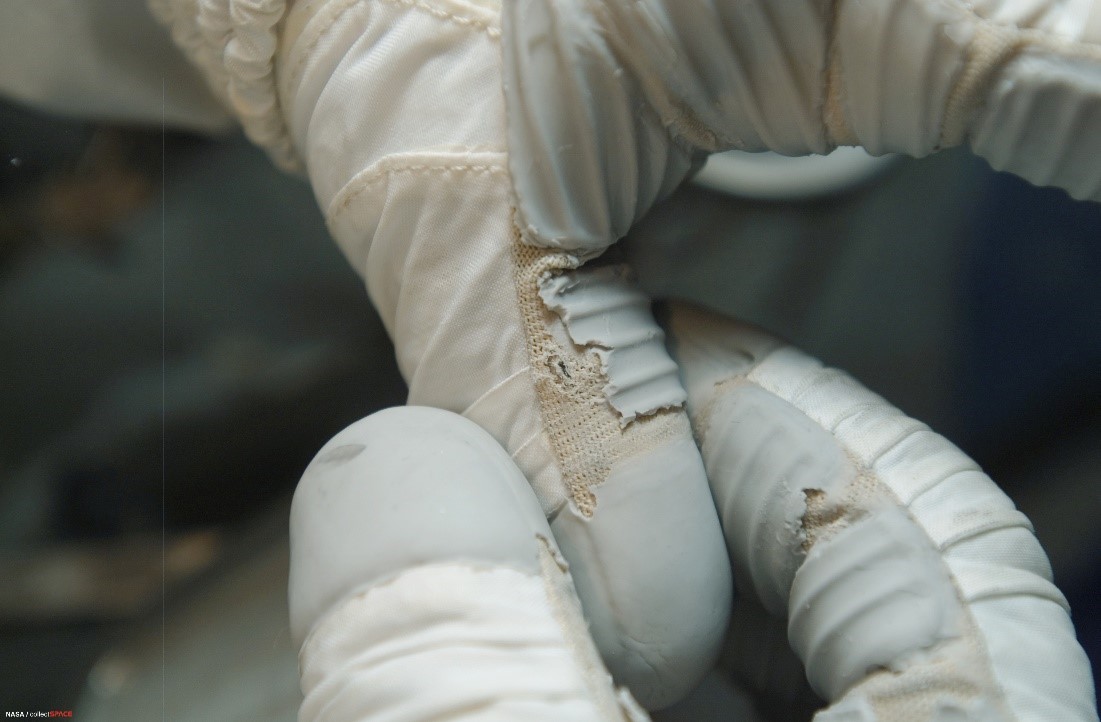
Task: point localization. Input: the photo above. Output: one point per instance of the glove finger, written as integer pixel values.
(1019, 81)
(425, 583)
(912, 586)
(1036, 110)
(653, 84)
(564, 366)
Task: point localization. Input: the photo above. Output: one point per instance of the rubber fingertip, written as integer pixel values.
(652, 572)
(404, 487)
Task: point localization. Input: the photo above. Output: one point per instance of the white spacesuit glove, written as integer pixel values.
(427, 585)
(469, 163)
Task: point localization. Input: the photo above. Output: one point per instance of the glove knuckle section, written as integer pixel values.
(906, 573)
(1042, 120)
(1038, 114)
(1019, 80)
(895, 64)
(588, 159)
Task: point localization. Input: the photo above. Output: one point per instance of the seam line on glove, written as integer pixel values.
(493, 164)
(452, 11)
(838, 130)
(527, 442)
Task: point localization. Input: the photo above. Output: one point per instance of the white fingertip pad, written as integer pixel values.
(1042, 120)
(400, 488)
(652, 572)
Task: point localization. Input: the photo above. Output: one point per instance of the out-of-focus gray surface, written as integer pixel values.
(224, 652)
(196, 346)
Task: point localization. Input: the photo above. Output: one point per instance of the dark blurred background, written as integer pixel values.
(180, 336)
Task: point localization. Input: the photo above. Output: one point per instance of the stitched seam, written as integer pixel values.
(1011, 520)
(837, 128)
(489, 28)
(382, 170)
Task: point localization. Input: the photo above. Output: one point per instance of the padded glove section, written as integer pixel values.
(1042, 120)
